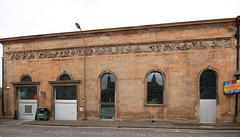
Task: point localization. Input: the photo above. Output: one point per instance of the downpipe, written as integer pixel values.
(237, 64)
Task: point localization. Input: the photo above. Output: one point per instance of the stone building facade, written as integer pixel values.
(107, 74)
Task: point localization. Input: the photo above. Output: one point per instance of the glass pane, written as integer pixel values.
(155, 88)
(208, 85)
(65, 77)
(26, 79)
(25, 93)
(65, 92)
(107, 88)
(107, 96)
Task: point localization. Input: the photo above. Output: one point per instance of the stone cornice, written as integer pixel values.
(26, 83)
(121, 49)
(67, 34)
(65, 82)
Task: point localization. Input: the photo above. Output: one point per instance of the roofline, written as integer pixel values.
(176, 24)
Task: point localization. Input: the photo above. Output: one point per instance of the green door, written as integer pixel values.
(107, 96)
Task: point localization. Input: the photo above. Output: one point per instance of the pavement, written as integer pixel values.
(146, 124)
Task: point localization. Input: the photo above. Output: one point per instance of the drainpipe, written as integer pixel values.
(2, 87)
(237, 66)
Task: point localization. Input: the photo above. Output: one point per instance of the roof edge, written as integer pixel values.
(164, 25)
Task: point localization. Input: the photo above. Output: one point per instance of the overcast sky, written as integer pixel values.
(33, 17)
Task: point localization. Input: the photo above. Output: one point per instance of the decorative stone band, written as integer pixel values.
(120, 49)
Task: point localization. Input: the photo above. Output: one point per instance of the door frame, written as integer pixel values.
(115, 94)
(63, 83)
(218, 86)
(24, 84)
(65, 102)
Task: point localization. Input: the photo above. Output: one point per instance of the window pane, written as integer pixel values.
(26, 79)
(208, 84)
(25, 93)
(64, 77)
(155, 88)
(107, 88)
(65, 92)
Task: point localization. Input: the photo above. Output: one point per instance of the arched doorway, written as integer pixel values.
(108, 96)
(208, 96)
(65, 93)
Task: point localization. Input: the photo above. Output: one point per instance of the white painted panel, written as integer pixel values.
(207, 110)
(21, 109)
(65, 109)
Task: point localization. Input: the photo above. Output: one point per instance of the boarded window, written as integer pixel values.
(28, 109)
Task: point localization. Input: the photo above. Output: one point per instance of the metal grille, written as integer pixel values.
(28, 109)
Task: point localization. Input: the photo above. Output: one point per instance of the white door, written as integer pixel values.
(27, 109)
(65, 102)
(65, 109)
(207, 110)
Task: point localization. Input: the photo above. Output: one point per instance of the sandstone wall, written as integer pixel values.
(179, 52)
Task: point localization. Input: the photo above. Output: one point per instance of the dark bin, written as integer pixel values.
(42, 114)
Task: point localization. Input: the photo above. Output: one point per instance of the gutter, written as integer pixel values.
(2, 86)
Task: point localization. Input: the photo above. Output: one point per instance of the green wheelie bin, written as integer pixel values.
(42, 114)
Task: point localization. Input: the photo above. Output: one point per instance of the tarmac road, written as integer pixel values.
(13, 128)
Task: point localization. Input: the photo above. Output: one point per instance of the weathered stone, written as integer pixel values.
(179, 52)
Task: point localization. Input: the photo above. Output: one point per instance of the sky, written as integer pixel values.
(33, 17)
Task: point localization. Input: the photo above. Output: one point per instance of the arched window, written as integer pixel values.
(208, 85)
(155, 88)
(107, 96)
(107, 88)
(65, 77)
(26, 79)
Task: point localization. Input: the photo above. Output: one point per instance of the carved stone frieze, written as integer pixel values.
(120, 49)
